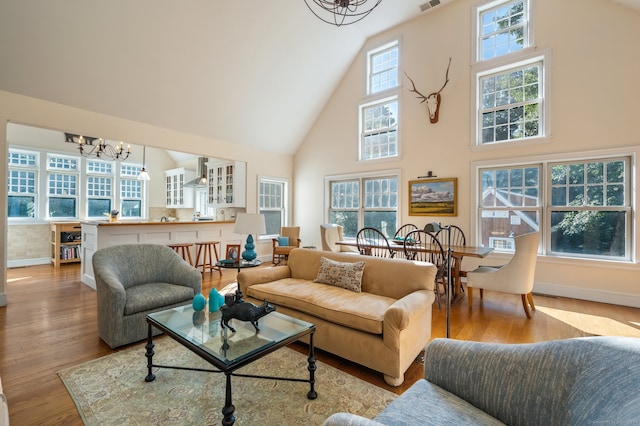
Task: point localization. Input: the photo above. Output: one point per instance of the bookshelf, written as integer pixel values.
(65, 243)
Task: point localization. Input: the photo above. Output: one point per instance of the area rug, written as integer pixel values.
(111, 390)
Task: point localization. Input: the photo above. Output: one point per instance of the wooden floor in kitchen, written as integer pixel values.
(50, 323)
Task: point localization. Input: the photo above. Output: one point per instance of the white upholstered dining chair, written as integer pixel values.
(330, 234)
(515, 277)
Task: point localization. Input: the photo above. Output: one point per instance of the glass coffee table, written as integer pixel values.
(202, 333)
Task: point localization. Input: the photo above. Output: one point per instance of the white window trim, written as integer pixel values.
(475, 28)
(143, 193)
(504, 63)
(39, 176)
(361, 109)
(367, 57)
(286, 201)
(80, 184)
(634, 181)
(42, 214)
(363, 175)
(115, 170)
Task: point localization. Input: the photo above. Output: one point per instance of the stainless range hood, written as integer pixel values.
(201, 180)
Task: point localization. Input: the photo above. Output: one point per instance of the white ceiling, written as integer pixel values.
(248, 72)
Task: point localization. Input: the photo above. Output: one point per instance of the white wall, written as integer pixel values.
(24, 110)
(595, 105)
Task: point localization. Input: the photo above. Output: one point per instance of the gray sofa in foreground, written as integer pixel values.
(133, 280)
(581, 381)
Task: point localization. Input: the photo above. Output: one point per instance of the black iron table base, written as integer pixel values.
(229, 409)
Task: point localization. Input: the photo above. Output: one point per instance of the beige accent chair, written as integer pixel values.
(330, 234)
(515, 277)
(281, 253)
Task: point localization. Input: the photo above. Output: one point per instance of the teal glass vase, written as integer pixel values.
(214, 300)
(199, 302)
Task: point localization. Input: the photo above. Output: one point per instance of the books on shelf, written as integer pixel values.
(70, 252)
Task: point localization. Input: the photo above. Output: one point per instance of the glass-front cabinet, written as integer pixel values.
(227, 183)
(177, 196)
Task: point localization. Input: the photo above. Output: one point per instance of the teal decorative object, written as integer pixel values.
(249, 253)
(214, 300)
(199, 302)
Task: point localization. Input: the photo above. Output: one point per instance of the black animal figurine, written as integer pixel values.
(244, 311)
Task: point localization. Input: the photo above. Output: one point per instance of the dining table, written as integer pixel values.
(457, 253)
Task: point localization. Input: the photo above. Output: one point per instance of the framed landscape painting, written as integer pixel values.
(433, 197)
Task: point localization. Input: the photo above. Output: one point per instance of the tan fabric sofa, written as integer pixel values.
(384, 327)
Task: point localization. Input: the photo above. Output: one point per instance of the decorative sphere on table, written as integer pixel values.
(199, 302)
(249, 253)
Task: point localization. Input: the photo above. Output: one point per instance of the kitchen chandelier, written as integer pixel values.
(91, 147)
(341, 12)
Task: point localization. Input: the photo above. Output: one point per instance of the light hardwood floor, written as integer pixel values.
(50, 323)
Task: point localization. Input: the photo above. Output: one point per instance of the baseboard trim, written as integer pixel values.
(602, 296)
(21, 263)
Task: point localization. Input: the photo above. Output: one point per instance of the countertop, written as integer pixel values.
(151, 222)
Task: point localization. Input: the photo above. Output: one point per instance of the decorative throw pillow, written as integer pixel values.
(340, 274)
(283, 241)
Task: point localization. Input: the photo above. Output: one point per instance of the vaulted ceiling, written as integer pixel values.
(248, 72)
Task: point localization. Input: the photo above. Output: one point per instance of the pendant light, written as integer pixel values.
(143, 173)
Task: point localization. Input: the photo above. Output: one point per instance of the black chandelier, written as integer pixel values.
(91, 147)
(341, 12)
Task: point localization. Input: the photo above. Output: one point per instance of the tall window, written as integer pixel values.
(272, 194)
(590, 208)
(382, 68)
(581, 206)
(379, 131)
(130, 191)
(99, 188)
(62, 186)
(22, 175)
(510, 103)
(359, 202)
(510, 80)
(510, 204)
(379, 113)
(503, 27)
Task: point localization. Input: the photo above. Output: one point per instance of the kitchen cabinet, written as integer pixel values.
(227, 183)
(65, 243)
(177, 195)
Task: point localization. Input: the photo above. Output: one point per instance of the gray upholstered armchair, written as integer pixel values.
(581, 381)
(134, 280)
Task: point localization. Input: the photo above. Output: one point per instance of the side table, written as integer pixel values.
(238, 264)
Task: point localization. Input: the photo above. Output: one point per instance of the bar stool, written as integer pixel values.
(184, 250)
(207, 249)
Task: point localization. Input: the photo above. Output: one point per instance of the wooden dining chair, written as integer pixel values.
(404, 230)
(400, 235)
(457, 239)
(372, 242)
(423, 246)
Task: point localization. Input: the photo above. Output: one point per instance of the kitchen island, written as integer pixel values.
(98, 234)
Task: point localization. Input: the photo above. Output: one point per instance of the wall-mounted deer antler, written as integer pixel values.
(433, 99)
